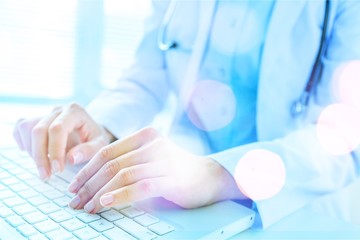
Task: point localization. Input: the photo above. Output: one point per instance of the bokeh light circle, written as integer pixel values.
(211, 105)
(338, 128)
(347, 83)
(260, 174)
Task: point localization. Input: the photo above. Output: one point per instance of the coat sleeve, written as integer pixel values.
(142, 91)
(311, 172)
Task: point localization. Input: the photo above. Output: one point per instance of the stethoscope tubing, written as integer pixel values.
(300, 105)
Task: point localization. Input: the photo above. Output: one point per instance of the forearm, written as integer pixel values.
(310, 171)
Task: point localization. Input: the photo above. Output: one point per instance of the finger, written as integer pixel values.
(16, 135)
(39, 136)
(124, 177)
(24, 128)
(94, 184)
(73, 117)
(84, 152)
(147, 188)
(127, 151)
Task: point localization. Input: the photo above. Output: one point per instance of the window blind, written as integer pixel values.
(37, 48)
(40, 42)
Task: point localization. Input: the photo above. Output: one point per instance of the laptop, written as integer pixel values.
(33, 209)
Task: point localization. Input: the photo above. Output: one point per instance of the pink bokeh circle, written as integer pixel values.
(347, 83)
(260, 174)
(338, 128)
(211, 105)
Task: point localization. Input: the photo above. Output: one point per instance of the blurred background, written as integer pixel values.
(56, 51)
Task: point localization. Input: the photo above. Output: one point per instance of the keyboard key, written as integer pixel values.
(5, 211)
(58, 183)
(69, 194)
(19, 187)
(86, 217)
(73, 224)
(27, 230)
(34, 182)
(146, 219)
(135, 229)
(117, 233)
(28, 165)
(38, 237)
(66, 175)
(13, 153)
(60, 216)
(131, 212)
(2, 187)
(62, 187)
(25, 176)
(46, 226)
(161, 228)
(53, 194)
(43, 187)
(48, 208)
(103, 210)
(86, 233)
(34, 217)
(28, 193)
(21, 161)
(13, 201)
(101, 225)
(72, 211)
(111, 215)
(6, 194)
(121, 206)
(15, 220)
(8, 166)
(16, 171)
(33, 170)
(100, 238)
(9, 181)
(24, 209)
(62, 202)
(38, 200)
(60, 234)
(4, 175)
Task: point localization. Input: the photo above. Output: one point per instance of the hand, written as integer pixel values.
(66, 134)
(147, 165)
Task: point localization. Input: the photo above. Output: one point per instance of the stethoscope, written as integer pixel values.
(300, 105)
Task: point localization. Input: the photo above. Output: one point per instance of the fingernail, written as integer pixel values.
(73, 186)
(74, 202)
(89, 207)
(78, 157)
(55, 166)
(107, 199)
(42, 173)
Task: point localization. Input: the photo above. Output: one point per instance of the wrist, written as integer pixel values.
(227, 186)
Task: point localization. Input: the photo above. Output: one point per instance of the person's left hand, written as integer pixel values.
(146, 165)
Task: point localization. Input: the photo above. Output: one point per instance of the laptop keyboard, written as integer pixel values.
(39, 210)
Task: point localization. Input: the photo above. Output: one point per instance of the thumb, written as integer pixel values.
(84, 152)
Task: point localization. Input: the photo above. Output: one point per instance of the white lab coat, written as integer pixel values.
(292, 41)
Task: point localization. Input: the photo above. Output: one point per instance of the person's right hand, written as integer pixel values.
(66, 134)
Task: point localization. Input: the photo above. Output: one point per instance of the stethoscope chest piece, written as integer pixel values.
(297, 109)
